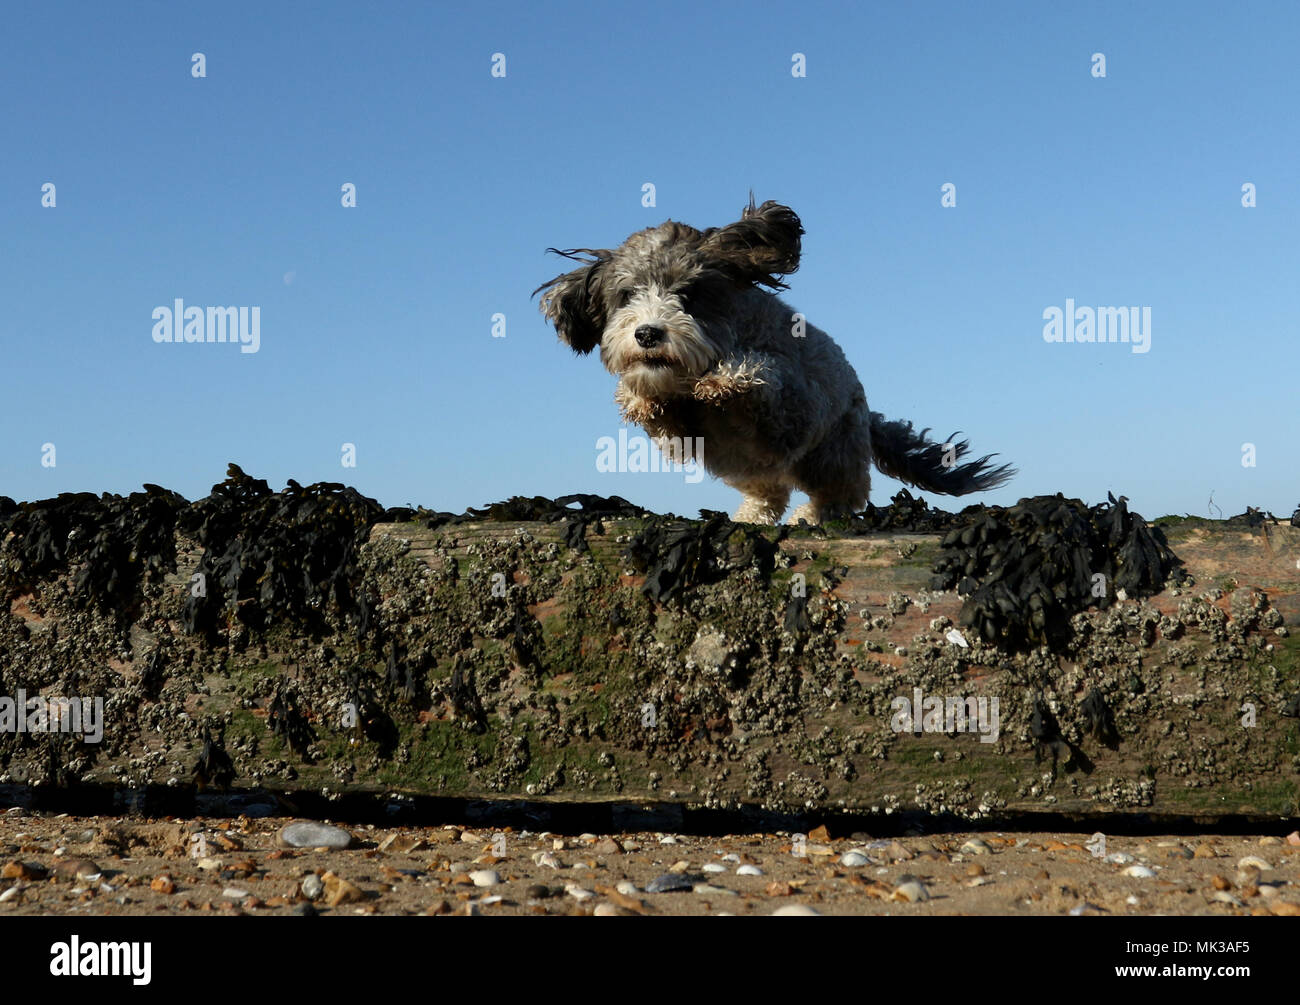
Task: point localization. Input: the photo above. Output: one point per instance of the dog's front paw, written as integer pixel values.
(715, 389)
(726, 381)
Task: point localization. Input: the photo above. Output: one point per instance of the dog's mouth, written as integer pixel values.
(655, 362)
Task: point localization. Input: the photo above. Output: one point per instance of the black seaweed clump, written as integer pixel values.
(272, 555)
(676, 555)
(1026, 569)
(593, 510)
(214, 766)
(113, 541)
(905, 512)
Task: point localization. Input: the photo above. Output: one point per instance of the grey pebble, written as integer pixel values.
(312, 887)
(671, 882)
(307, 834)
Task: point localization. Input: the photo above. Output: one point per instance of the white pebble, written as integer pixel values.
(795, 911)
(1139, 872)
(485, 877)
(749, 870)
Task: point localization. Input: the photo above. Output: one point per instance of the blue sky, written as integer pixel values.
(376, 321)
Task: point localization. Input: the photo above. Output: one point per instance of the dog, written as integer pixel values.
(690, 323)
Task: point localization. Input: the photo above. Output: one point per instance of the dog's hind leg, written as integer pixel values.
(764, 502)
(836, 474)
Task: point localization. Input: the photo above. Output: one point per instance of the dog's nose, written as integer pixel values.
(648, 336)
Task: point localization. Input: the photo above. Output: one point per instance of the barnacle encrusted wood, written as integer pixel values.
(584, 649)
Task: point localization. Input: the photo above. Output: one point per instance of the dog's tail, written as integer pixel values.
(901, 452)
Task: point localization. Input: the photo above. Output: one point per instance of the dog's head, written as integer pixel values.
(661, 306)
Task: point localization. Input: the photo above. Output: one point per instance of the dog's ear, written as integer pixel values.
(572, 301)
(761, 247)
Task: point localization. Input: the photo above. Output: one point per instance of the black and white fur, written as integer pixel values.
(701, 349)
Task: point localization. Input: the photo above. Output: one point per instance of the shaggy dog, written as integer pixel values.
(701, 349)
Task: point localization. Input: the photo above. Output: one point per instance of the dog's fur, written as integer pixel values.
(720, 357)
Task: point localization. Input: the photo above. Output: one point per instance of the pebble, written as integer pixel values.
(1253, 862)
(626, 887)
(12, 893)
(718, 891)
(1205, 851)
(976, 846)
(975, 869)
(578, 893)
(606, 911)
(897, 851)
(912, 891)
(77, 868)
(485, 877)
(403, 844)
(339, 891)
(795, 911)
(1139, 872)
(749, 870)
(714, 867)
(1224, 897)
(667, 839)
(305, 911)
(162, 884)
(1293, 838)
(669, 883)
(545, 858)
(209, 864)
(1119, 858)
(854, 859)
(608, 847)
(22, 870)
(312, 887)
(234, 893)
(537, 892)
(307, 834)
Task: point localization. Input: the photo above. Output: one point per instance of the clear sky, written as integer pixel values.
(376, 321)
